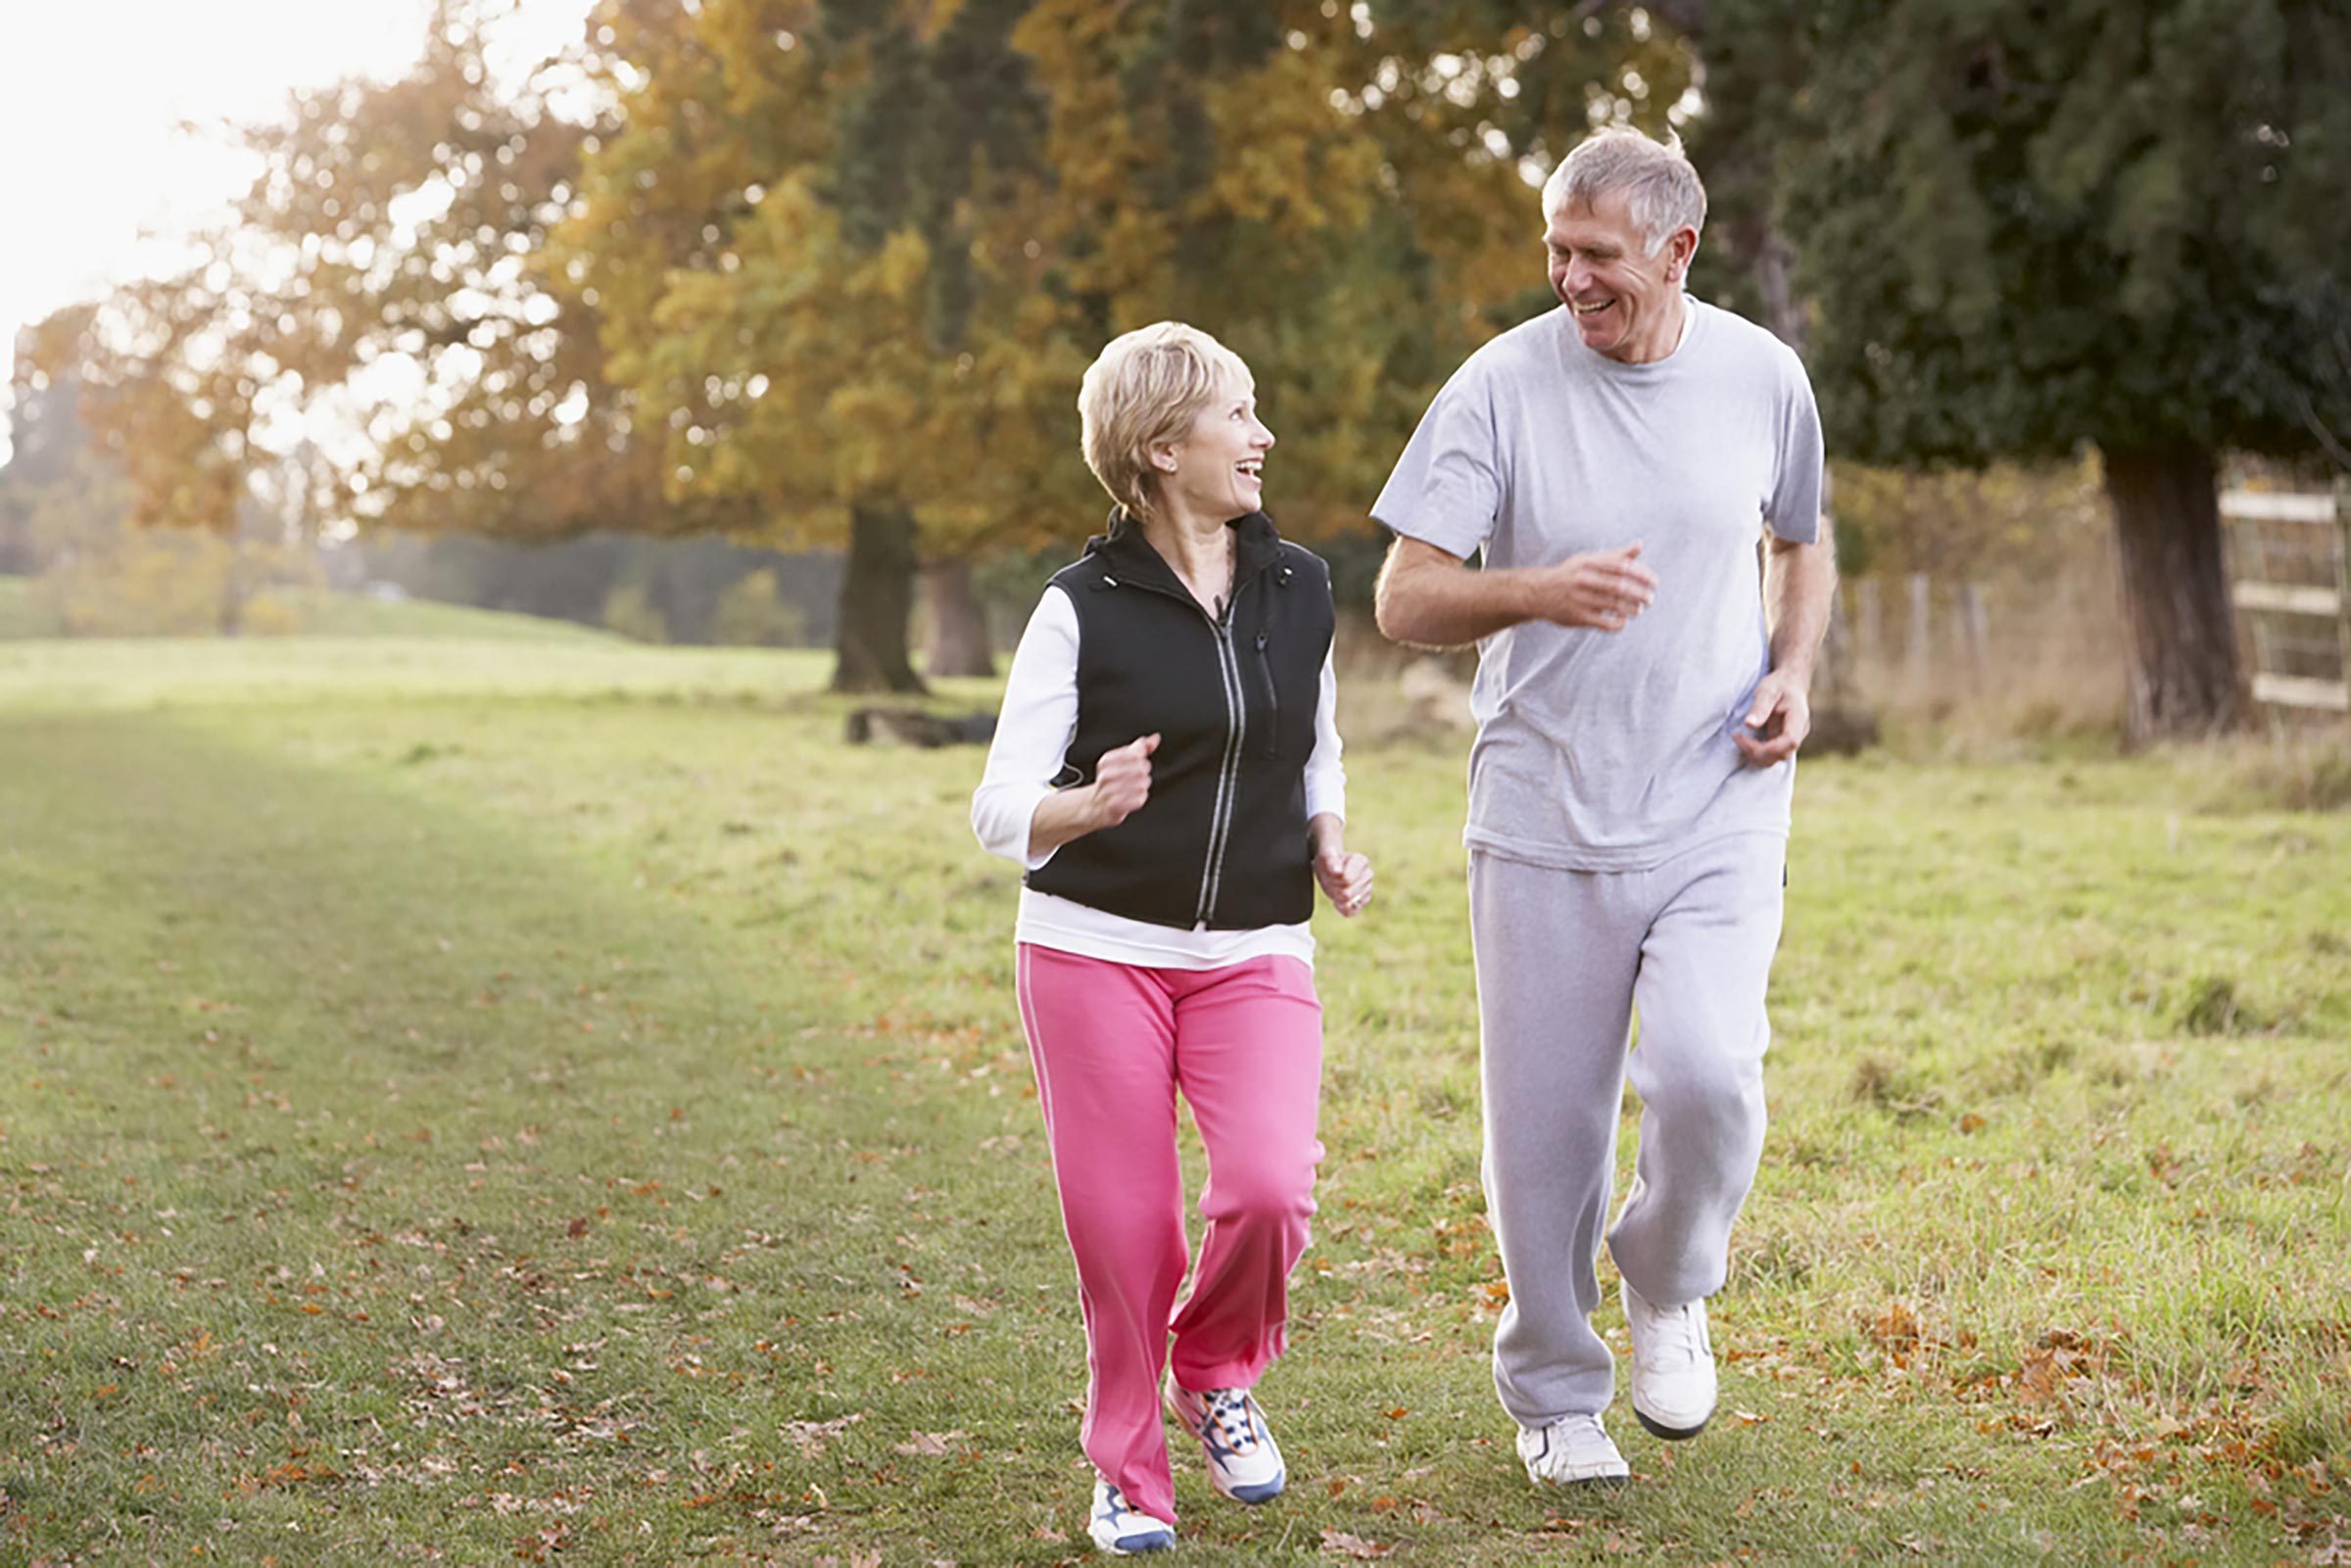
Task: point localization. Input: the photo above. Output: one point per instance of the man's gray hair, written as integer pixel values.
(1660, 185)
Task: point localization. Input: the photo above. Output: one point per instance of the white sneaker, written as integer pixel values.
(1673, 1366)
(1243, 1462)
(1121, 1530)
(1573, 1450)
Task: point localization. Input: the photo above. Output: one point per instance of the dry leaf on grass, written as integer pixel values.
(1339, 1544)
(812, 1436)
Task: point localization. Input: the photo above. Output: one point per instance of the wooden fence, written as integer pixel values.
(1918, 637)
(2291, 559)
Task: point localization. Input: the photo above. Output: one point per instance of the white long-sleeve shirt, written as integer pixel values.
(1032, 738)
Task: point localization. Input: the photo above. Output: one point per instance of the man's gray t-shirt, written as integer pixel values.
(1611, 751)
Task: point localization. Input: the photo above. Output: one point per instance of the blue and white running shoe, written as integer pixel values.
(1121, 1530)
(1243, 1462)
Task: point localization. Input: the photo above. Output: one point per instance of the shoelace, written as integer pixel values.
(1678, 1332)
(1582, 1430)
(1228, 1413)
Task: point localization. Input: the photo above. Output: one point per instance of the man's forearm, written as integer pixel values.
(1443, 604)
(1800, 584)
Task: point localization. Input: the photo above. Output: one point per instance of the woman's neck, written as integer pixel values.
(1198, 549)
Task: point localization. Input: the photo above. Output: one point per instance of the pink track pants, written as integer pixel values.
(1112, 1044)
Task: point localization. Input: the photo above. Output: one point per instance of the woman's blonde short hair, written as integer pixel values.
(1143, 391)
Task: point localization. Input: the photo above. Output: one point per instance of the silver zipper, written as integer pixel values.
(1228, 773)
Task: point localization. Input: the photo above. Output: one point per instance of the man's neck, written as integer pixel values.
(1668, 338)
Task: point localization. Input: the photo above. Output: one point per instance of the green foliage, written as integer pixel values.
(2027, 226)
(750, 614)
(631, 613)
(572, 578)
(2007, 522)
(103, 575)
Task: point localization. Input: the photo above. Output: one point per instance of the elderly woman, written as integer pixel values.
(1166, 770)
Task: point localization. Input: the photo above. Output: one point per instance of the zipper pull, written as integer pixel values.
(1260, 639)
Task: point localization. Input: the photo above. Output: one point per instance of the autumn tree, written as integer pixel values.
(855, 256)
(382, 304)
(814, 333)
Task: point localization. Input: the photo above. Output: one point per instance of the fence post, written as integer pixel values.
(1978, 630)
(1872, 627)
(2342, 579)
(1837, 654)
(1922, 650)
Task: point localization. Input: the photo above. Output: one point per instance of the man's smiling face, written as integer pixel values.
(1626, 301)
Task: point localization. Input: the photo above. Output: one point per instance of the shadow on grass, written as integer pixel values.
(384, 1173)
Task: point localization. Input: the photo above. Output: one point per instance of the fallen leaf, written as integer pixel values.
(1339, 1544)
(812, 1436)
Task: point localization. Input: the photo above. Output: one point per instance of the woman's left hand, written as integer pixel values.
(1345, 876)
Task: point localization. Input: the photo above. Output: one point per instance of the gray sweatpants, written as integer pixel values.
(1563, 957)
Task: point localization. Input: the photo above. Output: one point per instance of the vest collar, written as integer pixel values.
(1125, 551)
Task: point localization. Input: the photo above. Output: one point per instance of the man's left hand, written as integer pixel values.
(1777, 721)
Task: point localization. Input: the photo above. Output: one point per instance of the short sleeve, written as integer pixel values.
(1794, 512)
(1446, 488)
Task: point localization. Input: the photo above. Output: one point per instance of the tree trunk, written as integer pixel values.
(2184, 681)
(877, 596)
(955, 624)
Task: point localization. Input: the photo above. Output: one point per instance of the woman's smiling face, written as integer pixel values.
(1219, 468)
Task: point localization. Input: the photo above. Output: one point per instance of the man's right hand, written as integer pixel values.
(1603, 591)
(1123, 781)
(1428, 597)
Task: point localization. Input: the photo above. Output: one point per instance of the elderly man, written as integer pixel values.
(1641, 695)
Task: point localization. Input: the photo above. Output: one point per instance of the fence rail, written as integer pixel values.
(2308, 537)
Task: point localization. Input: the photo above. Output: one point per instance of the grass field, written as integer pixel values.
(20, 615)
(317, 612)
(474, 1103)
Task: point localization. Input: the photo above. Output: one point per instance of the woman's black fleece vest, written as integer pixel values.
(1222, 841)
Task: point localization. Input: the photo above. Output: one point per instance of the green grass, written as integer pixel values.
(20, 615)
(328, 614)
(317, 612)
(88, 675)
(557, 1103)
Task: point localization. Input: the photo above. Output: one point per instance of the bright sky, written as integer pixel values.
(97, 175)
